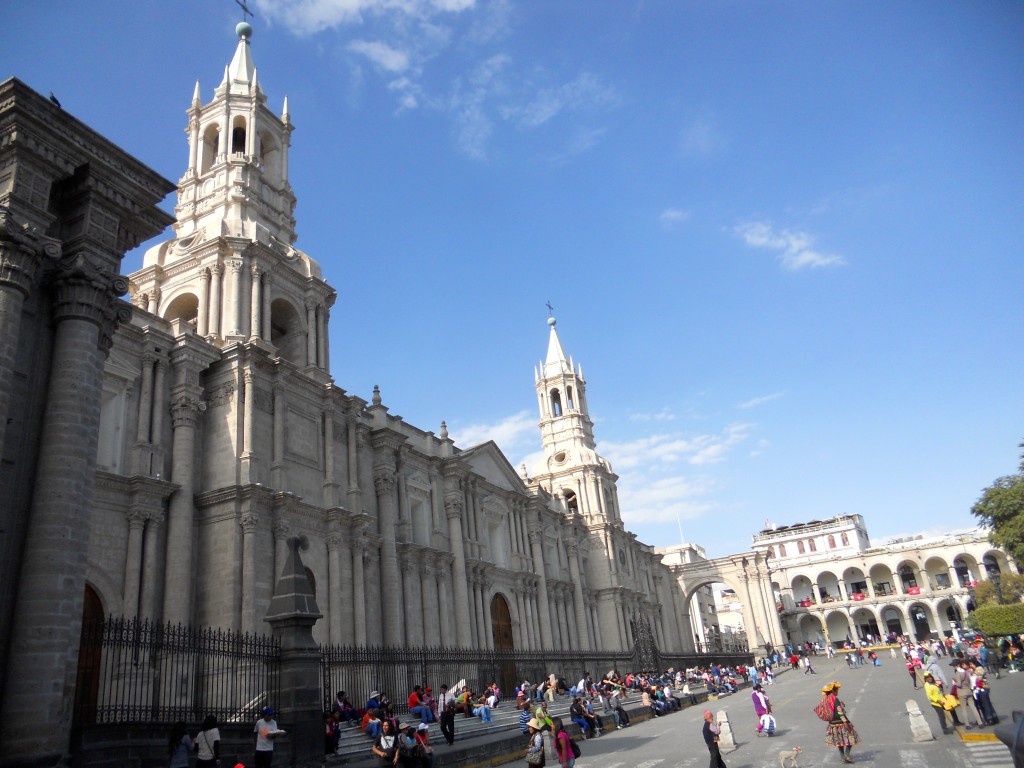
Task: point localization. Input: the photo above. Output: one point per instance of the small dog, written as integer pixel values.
(790, 755)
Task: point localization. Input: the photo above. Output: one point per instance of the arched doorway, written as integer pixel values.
(501, 633)
(90, 655)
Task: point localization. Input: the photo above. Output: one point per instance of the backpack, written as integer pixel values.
(824, 710)
(575, 748)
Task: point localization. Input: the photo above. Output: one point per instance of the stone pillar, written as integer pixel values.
(267, 314)
(248, 417)
(321, 336)
(146, 399)
(203, 318)
(355, 494)
(310, 332)
(151, 567)
(18, 265)
(334, 588)
(448, 638)
(292, 613)
(277, 465)
(159, 403)
(250, 565)
(358, 588)
(178, 589)
(133, 562)
(431, 605)
(47, 618)
(154, 301)
(411, 578)
(330, 486)
(281, 531)
(384, 484)
(453, 508)
(542, 585)
(582, 634)
(216, 294)
(254, 302)
(235, 292)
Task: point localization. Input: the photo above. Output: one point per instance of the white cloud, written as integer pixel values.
(665, 499)
(701, 137)
(307, 17)
(794, 249)
(672, 216)
(756, 401)
(383, 55)
(663, 415)
(586, 91)
(511, 433)
(675, 448)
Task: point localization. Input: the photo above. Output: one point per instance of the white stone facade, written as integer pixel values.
(832, 585)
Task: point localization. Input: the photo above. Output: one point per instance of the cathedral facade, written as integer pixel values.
(159, 455)
(223, 434)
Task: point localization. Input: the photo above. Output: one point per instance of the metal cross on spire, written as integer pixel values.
(245, 10)
(551, 309)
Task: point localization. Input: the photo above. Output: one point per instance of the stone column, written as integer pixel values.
(321, 336)
(330, 486)
(133, 562)
(436, 501)
(384, 484)
(542, 585)
(248, 416)
(355, 494)
(18, 265)
(267, 318)
(178, 583)
(582, 634)
(485, 604)
(146, 399)
(334, 588)
(154, 301)
(310, 332)
(159, 403)
(411, 577)
(281, 530)
(277, 465)
(358, 588)
(453, 508)
(216, 294)
(250, 565)
(448, 638)
(431, 605)
(254, 302)
(235, 291)
(151, 567)
(203, 318)
(47, 618)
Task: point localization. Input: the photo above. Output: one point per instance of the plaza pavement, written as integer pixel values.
(875, 697)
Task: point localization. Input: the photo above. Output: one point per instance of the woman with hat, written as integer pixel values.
(535, 749)
(839, 732)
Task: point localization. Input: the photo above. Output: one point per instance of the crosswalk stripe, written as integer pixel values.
(989, 755)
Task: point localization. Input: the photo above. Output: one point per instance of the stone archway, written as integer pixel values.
(750, 576)
(501, 635)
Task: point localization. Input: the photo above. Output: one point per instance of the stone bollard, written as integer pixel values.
(919, 729)
(726, 743)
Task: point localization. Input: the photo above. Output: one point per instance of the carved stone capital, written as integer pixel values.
(384, 484)
(248, 522)
(185, 411)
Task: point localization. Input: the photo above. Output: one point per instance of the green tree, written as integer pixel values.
(1001, 509)
(1011, 588)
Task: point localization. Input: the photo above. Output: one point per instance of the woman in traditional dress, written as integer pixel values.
(839, 732)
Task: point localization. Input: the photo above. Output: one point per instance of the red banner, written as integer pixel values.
(858, 596)
(913, 590)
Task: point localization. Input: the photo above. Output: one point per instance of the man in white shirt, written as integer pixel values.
(263, 735)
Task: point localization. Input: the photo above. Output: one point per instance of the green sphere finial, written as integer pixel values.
(244, 30)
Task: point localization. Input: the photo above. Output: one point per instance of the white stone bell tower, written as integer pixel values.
(571, 468)
(231, 270)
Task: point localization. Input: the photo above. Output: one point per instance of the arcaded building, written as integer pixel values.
(832, 585)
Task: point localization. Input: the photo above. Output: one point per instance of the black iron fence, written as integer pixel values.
(133, 671)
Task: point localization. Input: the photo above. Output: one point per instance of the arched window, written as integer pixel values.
(238, 137)
(831, 541)
(782, 550)
(571, 503)
(556, 403)
(811, 545)
(209, 148)
(568, 399)
(771, 551)
(845, 539)
(800, 546)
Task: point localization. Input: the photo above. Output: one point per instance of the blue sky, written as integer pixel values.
(783, 239)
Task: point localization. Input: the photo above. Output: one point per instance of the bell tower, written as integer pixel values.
(232, 270)
(571, 468)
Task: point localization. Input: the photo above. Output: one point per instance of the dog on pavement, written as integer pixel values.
(789, 755)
